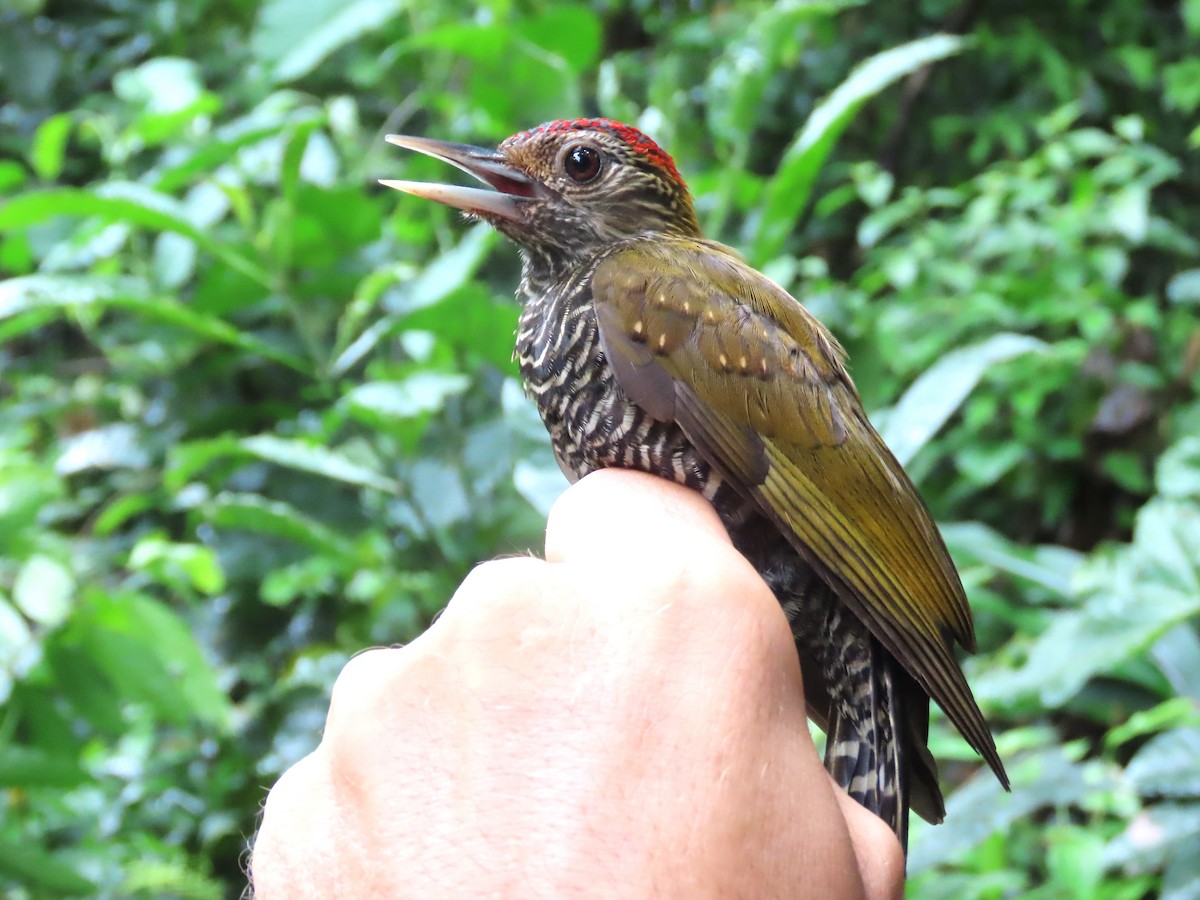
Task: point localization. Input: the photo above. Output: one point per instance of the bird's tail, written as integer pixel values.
(876, 745)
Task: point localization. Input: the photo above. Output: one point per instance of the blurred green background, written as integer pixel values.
(257, 413)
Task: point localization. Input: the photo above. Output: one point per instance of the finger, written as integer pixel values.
(630, 510)
(876, 847)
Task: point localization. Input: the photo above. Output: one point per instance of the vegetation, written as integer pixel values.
(257, 413)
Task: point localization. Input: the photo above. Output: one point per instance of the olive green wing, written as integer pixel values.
(697, 337)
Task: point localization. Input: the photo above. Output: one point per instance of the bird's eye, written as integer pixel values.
(582, 163)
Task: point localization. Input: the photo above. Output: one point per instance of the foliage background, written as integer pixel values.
(257, 413)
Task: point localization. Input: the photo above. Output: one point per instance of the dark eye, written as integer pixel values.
(582, 163)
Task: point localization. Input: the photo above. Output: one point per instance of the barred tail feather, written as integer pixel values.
(875, 747)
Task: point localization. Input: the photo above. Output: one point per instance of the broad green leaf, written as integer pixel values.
(366, 341)
(1131, 599)
(1169, 765)
(319, 460)
(1048, 779)
(161, 85)
(81, 682)
(156, 878)
(1129, 212)
(25, 490)
(1075, 858)
(42, 872)
(34, 292)
(26, 768)
(447, 273)
(1184, 288)
(1175, 713)
(43, 590)
(255, 513)
(352, 343)
(1181, 881)
(572, 32)
(539, 482)
(750, 64)
(297, 38)
(228, 142)
(1049, 567)
(939, 391)
(184, 461)
(789, 190)
(135, 204)
(1159, 836)
(162, 558)
(12, 175)
(50, 146)
(151, 656)
(420, 393)
(438, 491)
(474, 323)
(1177, 655)
(115, 446)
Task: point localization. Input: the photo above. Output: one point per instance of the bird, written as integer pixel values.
(647, 346)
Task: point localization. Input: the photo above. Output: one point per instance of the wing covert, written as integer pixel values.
(759, 386)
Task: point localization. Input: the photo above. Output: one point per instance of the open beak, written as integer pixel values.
(512, 186)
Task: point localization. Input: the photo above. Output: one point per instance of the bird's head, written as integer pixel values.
(565, 189)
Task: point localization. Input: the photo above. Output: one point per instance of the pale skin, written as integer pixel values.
(624, 718)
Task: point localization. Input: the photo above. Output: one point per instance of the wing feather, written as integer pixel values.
(759, 386)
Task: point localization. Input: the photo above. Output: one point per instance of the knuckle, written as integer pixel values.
(490, 594)
(360, 686)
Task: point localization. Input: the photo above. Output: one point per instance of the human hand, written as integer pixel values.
(625, 718)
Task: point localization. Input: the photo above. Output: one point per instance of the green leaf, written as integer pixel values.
(1132, 598)
(981, 807)
(254, 513)
(318, 460)
(788, 191)
(135, 204)
(161, 85)
(941, 389)
(38, 870)
(43, 590)
(352, 341)
(12, 175)
(34, 292)
(1049, 567)
(1155, 835)
(1075, 857)
(1169, 765)
(151, 656)
(197, 563)
(1184, 288)
(1173, 713)
(438, 491)
(113, 446)
(540, 482)
(25, 490)
(1177, 655)
(184, 461)
(33, 767)
(50, 146)
(447, 273)
(298, 38)
(420, 393)
(573, 33)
